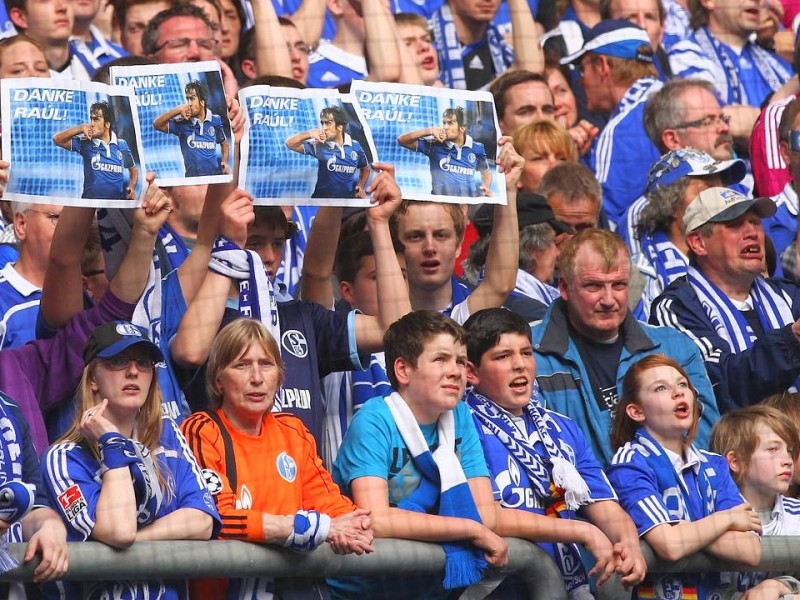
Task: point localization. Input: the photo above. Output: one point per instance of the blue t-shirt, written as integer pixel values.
(373, 447)
(73, 480)
(104, 166)
(453, 167)
(339, 167)
(199, 141)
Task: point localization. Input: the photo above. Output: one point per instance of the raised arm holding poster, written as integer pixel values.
(72, 143)
(304, 147)
(183, 117)
(443, 142)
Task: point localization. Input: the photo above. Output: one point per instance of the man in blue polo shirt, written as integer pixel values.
(105, 156)
(340, 156)
(200, 132)
(454, 156)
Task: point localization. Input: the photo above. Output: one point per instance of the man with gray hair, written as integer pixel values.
(746, 327)
(685, 113)
(21, 281)
(674, 181)
(538, 229)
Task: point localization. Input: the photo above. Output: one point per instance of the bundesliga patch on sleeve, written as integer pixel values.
(72, 502)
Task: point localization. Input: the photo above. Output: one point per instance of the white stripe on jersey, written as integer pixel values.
(58, 475)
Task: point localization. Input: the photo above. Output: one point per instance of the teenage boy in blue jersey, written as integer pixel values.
(200, 132)
(454, 156)
(105, 156)
(340, 156)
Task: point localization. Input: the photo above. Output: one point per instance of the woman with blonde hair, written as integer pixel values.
(270, 484)
(543, 145)
(123, 471)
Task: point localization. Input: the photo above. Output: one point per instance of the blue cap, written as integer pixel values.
(113, 338)
(677, 164)
(616, 37)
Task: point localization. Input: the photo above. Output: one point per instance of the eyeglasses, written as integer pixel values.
(121, 363)
(300, 47)
(580, 66)
(706, 121)
(53, 217)
(207, 44)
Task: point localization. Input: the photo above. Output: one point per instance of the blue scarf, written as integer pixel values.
(452, 51)
(546, 472)
(369, 383)
(773, 309)
(464, 564)
(773, 72)
(257, 298)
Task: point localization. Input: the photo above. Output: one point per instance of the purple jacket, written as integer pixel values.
(41, 373)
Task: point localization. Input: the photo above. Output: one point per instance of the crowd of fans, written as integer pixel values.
(611, 356)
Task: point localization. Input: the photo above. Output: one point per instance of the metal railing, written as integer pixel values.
(93, 561)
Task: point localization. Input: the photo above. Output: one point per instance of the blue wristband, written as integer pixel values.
(116, 451)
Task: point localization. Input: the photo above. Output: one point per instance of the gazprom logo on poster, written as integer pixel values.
(334, 167)
(97, 165)
(295, 342)
(196, 145)
(286, 467)
(445, 165)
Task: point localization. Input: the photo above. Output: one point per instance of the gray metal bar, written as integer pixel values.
(92, 561)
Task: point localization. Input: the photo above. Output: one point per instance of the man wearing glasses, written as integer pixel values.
(105, 156)
(21, 282)
(182, 33)
(200, 132)
(618, 73)
(343, 166)
(685, 113)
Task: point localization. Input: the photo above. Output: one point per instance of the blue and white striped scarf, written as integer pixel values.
(442, 487)
(773, 309)
(452, 51)
(257, 298)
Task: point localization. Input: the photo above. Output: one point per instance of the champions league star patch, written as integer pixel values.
(213, 481)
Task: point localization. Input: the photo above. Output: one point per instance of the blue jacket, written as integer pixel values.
(565, 387)
(770, 366)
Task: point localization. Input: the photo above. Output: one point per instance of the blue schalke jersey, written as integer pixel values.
(199, 140)
(103, 166)
(453, 167)
(339, 167)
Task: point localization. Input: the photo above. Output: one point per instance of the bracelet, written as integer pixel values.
(116, 450)
(310, 529)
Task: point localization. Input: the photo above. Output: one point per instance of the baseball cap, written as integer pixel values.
(615, 37)
(677, 164)
(720, 205)
(113, 338)
(531, 209)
